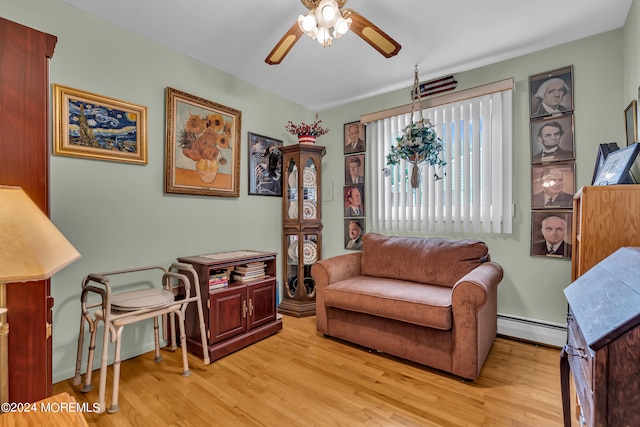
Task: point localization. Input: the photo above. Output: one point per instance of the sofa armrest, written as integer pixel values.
(474, 306)
(328, 271)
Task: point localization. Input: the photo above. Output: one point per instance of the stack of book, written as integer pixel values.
(251, 271)
(218, 280)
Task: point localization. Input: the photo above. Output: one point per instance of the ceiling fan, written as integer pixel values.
(326, 21)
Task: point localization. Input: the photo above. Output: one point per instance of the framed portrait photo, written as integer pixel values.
(617, 165)
(553, 185)
(551, 92)
(265, 165)
(631, 122)
(603, 152)
(552, 139)
(551, 234)
(354, 229)
(354, 169)
(97, 127)
(203, 146)
(354, 138)
(353, 196)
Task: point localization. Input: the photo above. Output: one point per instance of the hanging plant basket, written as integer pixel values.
(419, 143)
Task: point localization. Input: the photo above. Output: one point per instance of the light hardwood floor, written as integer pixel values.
(299, 378)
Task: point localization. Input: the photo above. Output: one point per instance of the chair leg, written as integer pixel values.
(183, 344)
(115, 405)
(172, 329)
(203, 332)
(77, 379)
(156, 335)
(103, 368)
(93, 328)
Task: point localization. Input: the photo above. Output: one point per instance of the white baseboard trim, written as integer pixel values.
(548, 333)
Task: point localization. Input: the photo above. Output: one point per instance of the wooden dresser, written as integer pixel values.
(605, 218)
(602, 354)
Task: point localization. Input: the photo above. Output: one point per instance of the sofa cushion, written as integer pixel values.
(432, 261)
(395, 299)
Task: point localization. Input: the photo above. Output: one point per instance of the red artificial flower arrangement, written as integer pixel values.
(314, 129)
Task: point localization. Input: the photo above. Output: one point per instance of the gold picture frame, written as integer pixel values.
(631, 122)
(98, 127)
(203, 146)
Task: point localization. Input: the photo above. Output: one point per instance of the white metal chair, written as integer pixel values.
(117, 310)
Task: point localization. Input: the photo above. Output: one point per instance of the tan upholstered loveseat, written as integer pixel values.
(429, 300)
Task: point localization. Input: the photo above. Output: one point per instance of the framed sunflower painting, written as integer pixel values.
(203, 146)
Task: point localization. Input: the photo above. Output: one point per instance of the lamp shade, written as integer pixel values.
(31, 247)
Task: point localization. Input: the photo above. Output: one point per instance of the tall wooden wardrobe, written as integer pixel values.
(24, 162)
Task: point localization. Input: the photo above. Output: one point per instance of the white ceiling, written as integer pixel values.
(442, 37)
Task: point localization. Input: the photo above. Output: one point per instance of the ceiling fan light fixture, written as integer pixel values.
(327, 13)
(307, 23)
(342, 27)
(328, 20)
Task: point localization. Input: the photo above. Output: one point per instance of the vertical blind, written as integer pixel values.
(475, 194)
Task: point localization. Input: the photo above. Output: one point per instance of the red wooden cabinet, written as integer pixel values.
(238, 314)
(24, 162)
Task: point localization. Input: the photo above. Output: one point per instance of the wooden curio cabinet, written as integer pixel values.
(302, 226)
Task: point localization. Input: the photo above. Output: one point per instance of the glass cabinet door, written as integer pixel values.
(310, 190)
(292, 191)
(302, 253)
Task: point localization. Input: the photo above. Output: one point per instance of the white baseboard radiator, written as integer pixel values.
(547, 333)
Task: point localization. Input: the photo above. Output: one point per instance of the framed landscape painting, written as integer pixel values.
(203, 146)
(97, 127)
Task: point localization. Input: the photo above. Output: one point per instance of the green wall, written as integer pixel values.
(532, 287)
(118, 216)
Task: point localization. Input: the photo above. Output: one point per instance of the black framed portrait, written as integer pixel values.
(353, 196)
(551, 92)
(551, 234)
(265, 165)
(354, 229)
(553, 185)
(603, 152)
(354, 138)
(617, 165)
(552, 139)
(354, 169)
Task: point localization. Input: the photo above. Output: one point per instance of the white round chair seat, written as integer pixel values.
(142, 299)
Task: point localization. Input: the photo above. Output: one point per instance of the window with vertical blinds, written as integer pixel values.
(475, 194)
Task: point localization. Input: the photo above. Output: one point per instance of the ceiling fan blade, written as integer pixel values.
(373, 35)
(284, 45)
